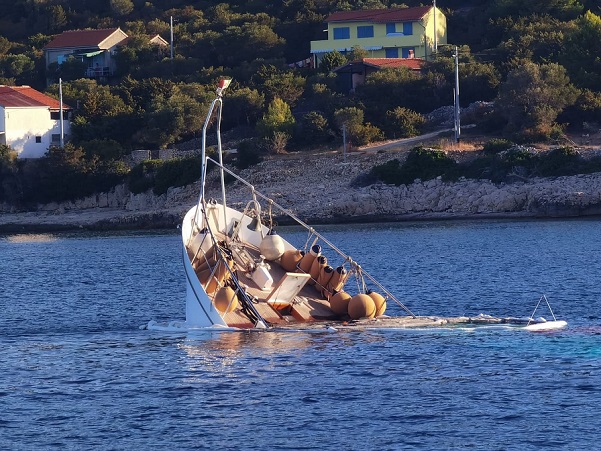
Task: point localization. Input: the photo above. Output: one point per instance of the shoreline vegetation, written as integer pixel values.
(326, 189)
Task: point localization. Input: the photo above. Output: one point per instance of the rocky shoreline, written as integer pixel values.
(322, 189)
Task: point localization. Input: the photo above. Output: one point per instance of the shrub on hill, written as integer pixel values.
(160, 175)
(421, 163)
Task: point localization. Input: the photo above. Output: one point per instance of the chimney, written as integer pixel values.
(411, 54)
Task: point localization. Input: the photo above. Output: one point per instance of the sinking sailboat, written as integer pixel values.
(240, 274)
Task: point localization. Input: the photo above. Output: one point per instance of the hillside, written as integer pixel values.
(534, 64)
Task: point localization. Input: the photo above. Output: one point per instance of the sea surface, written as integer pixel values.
(78, 373)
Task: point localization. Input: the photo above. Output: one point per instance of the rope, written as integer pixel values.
(535, 308)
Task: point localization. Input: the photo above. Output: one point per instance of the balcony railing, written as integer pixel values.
(97, 72)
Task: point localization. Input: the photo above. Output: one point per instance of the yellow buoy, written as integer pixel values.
(339, 302)
(226, 300)
(307, 260)
(380, 302)
(361, 306)
(290, 259)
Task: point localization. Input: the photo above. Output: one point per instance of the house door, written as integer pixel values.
(392, 52)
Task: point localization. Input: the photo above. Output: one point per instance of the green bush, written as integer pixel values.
(176, 172)
(365, 134)
(496, 145)
(562, 161)
(315, 129)
(64, 175)
(404, 123)
(248, 154)
(421, 163)
(160, 175)
(141, 177)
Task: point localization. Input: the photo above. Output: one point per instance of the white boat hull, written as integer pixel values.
(544, 326)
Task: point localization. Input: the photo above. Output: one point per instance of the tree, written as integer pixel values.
(248, 42)
(357, 53)
(331, 61)
(479, 81)
(16, 65)
(278, 118)
(57, 18)
(404, 123)
(122, 7)
(389, 88)
(582, 55)
(5, 45)
(244, 107)
(562, 9)
(284, 84)
(358, 133)
(315, 128)
(539, 38)
(534, 95)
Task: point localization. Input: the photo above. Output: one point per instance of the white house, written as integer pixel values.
(30, 121)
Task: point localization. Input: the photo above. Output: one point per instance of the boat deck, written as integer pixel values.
(304, 305)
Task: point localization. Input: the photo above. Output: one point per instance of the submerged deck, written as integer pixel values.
(408, 322)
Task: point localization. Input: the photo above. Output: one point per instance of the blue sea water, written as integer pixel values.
(77, 372)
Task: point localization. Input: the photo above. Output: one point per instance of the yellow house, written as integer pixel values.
(384, 33)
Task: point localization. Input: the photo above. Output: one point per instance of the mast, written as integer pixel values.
(223, 84)
(435, 30)
(171, 35)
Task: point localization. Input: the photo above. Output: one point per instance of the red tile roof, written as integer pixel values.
(380, 15)
(24, 96)
(411, 63)
(80, 38)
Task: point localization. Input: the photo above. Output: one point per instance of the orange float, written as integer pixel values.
(319, 263)
(339, 302)
(290, 259)
(380, 302)
(361, 306)
(225, 299)
(338, 279)
(307, 260)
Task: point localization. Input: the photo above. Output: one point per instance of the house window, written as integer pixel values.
(407, 51)
(38, 139)
(56, 115)
(342, 33)
(390, 28)
(56, 138)
(366, 31)
(392, 53)
(407, 28)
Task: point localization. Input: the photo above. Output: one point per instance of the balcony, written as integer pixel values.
(99, 72)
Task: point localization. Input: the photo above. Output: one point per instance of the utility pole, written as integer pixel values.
(171, 28)
(456, 92)
(435, 30)
(60, 112)
(344, 142)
